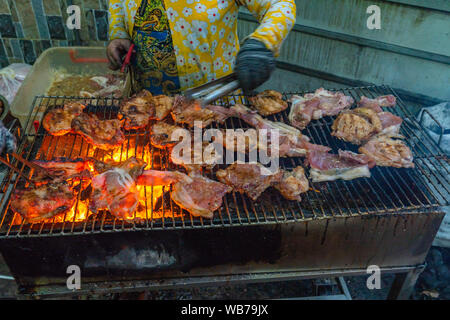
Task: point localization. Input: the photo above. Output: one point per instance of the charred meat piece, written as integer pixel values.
(293, 183)
(104, 134)
(268, 102)
(60, 169)
(190, 112)
(291, 142)
(43, 202)
(387, 152)
(201, 196)
(161, 135)
(58, 122)
(143, 107)
(138, 110)
(163, 106)
(346, 165)
(249, 178)
(377, 103)
(314, 106)
(116, 189)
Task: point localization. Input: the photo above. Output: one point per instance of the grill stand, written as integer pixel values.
(136, 261)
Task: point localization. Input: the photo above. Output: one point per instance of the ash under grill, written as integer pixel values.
(389, 191)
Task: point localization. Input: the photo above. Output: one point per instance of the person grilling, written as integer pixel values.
(181, 44)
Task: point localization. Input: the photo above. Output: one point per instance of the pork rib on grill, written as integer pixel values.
(268, 102)
(314, 106)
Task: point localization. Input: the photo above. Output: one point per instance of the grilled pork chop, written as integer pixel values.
(116, 190)
(388, 152)
(346, 165)
(43, 202)
(316, 106)
(104, 134)
(58, 122)
(268, 102)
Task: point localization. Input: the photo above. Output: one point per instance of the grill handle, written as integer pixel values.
(435, 120)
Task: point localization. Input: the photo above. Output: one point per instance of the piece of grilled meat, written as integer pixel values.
(293, 183)
(378, 102)
(314, 106)
(345, 165)
(191, 113)
(359, 125)
(200, 196)
(249, 178)
(161, 134)
(142, 107)
(58, 122)
(115, 189)
(268, 102)
(61, 169)
(387, 152)
(37, 203)
(103, 134)
(138, 110)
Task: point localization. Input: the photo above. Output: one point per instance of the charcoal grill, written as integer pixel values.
(339, 228)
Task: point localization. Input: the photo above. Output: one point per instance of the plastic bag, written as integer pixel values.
(11, 79)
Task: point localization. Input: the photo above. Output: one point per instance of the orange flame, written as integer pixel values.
(148, 196)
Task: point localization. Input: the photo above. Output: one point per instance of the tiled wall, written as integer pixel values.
(28, 27)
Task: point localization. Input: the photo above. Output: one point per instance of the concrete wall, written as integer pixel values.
(410, 52)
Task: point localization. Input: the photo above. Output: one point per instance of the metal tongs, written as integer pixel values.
(213, 90)
(25, 162)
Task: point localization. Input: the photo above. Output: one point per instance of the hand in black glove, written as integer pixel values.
(7, 140)
(254, 64)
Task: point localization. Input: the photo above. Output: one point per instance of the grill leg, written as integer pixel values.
(404, 283)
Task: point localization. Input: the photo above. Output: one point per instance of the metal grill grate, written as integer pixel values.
(388, 191)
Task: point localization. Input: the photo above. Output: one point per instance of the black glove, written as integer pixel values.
(254, 64)
(7, 140)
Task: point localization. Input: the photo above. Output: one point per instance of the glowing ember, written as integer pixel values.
(148, 196)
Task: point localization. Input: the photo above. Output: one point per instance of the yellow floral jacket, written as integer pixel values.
(204, 32)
